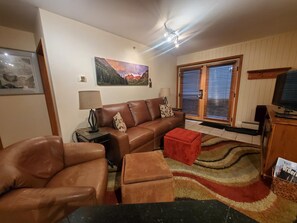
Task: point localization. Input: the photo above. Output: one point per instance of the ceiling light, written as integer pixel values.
(171, 35)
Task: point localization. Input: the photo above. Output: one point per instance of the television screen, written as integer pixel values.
(285, 92)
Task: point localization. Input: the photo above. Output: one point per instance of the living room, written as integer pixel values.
(70, 47)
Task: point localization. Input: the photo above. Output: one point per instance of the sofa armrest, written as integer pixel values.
(179, 114)
(26, 199)
(75, 153)
(119, 145)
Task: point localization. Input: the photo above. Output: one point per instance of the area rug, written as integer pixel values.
(227, 171)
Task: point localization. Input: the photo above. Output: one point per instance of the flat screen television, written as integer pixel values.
(285, 91)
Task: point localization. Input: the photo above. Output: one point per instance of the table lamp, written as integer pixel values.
(165, 92)
(90, 100)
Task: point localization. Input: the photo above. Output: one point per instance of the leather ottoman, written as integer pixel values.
(146, 178)
(182, 145)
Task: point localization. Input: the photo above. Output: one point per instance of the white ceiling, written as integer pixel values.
(202, 24)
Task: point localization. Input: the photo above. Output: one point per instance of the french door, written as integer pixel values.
(209, 91)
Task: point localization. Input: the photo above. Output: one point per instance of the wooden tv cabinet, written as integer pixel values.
(279, 139)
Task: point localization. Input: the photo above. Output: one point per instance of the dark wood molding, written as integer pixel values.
(266, 73)
(47, 90)
(211, 61)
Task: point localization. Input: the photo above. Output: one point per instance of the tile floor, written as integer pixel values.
(195, 126)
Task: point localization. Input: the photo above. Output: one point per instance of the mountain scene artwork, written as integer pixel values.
(113, 72)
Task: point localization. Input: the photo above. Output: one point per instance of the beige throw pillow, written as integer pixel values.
(166, 111)
(118, 123)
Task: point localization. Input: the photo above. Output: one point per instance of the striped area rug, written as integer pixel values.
(228, 171)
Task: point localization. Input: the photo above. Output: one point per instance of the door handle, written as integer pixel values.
(200, 94)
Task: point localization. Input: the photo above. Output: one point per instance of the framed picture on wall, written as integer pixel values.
(19, 73)
(114, 72)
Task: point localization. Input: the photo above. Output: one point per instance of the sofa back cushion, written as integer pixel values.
(139, 111)
(153, 107)
(107, 112)
(30, 163)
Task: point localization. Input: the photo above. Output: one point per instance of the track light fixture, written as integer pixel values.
(171, 35)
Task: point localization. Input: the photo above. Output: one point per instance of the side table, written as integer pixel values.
(83, 135)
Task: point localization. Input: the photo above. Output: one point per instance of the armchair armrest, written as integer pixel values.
(75, 153)
(119, 144)
(26, 199)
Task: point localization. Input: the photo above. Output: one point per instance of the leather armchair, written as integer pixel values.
(43, 179)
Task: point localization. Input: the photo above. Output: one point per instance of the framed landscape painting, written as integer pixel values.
(19, 73)
(113, 72)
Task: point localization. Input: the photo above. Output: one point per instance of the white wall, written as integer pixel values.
(21, 116)
(270, 52)
(71, 47)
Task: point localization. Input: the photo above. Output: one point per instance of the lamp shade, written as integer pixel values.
(165, 92)
(89, 99)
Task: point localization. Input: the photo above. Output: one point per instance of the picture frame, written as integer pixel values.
(113, 72)
(19, 73)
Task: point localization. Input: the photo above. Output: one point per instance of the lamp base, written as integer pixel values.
(93, 130)
(92, 122)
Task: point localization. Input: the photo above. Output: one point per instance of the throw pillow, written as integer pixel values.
(118, 123)
(166, 111)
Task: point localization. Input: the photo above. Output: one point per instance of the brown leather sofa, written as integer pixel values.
(43, 179)
(145, 127)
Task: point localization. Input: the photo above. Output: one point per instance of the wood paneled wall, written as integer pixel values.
(270, 52)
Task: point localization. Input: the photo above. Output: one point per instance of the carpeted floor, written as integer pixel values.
(228, 171)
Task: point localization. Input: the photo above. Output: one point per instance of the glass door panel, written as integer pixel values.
(190, 91)
(217, 102)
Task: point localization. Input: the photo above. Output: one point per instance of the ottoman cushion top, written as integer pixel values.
(146, 166)
(183, 135)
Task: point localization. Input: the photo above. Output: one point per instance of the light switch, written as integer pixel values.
(82, 78)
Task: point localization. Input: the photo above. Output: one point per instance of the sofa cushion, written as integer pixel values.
(175, 121)
(159, 126)
(139, 136)
(88, 174)
(139, 111)
(105, 115)
(118, 123)
(153, 107)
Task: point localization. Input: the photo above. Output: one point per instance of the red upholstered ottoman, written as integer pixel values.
(182, 145)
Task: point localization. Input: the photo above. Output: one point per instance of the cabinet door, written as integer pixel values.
(264, 144)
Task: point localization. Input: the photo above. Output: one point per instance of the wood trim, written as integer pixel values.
(177, 105)
(47, 90)
(237, 89)
(266, 73)
(183, 69)
(204, 85)
(180, 89)
(221, 63)
(211, 61)
(232, 94)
